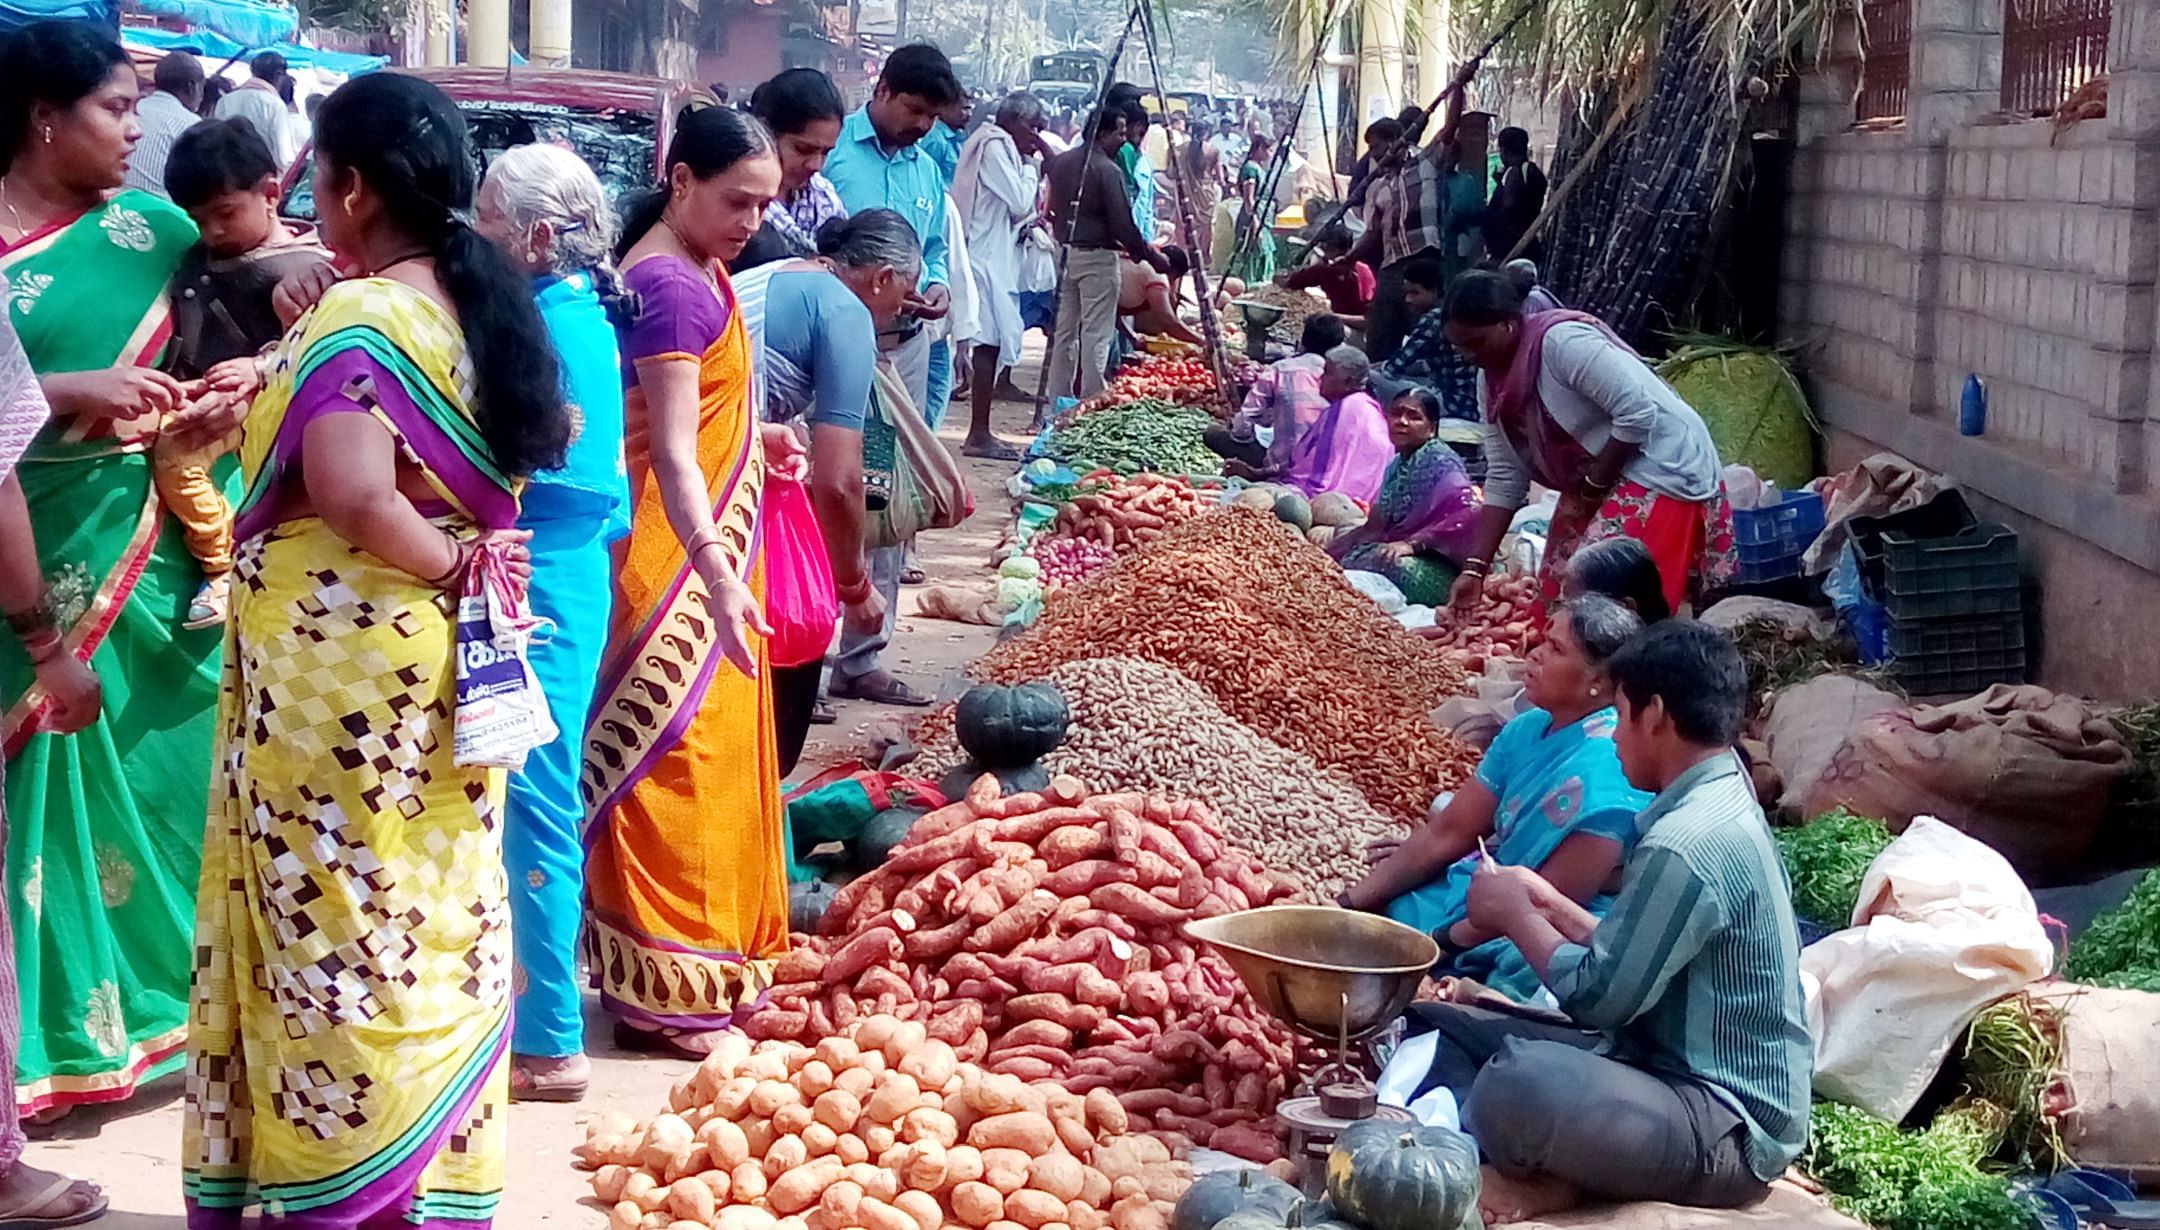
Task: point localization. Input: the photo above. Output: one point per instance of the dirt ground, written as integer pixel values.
(133, 1149)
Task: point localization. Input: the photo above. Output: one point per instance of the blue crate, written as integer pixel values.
(1770, 541)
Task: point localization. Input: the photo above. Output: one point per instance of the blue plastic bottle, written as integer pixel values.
(1972, 407)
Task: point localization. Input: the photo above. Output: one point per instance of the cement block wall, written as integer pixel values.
(1958, 243)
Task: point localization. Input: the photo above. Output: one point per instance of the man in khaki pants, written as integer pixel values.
(1091, 214)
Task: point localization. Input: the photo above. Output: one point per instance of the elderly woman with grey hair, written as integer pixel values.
(1347, 448)
(545, 209)
(995, 197)
(813, 329)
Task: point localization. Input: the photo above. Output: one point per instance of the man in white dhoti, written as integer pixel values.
(995, 196)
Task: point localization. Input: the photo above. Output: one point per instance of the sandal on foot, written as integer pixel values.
(666, 1040)
(995, 450)
(27, 1218)
(879, 689)
(823, 714)
(913, 575)
(208, 608)
(525, 1086)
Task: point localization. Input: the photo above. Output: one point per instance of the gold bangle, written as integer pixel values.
(727, 567)
(459, 558)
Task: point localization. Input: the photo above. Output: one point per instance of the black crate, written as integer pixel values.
(1970, 573)
(1938, 657)
(1946, 514)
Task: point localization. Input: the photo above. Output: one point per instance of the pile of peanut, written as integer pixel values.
(1265, 624)
(1142, 726)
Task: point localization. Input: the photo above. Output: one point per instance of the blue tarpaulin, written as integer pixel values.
(15, 14)
(254, 22)
(217, 48)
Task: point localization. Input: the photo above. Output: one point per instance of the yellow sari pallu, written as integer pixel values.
(686, 886)
(348, 1045)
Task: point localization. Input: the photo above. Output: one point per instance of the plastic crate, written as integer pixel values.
(1970, 573)
(1946, 514)
(1937, 657)
(1770, 541)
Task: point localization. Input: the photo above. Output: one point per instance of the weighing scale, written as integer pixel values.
(1337, 977)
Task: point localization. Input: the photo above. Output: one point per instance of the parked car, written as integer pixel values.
(618, 123)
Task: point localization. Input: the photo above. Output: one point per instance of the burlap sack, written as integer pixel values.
(2023, 769)
(1808, 723)
(2109, 1095)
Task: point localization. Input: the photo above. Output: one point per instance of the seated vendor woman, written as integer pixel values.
(1148, 297)
(1347, 447)
(1685, 1075)
(1421, 521)
(1549, 797)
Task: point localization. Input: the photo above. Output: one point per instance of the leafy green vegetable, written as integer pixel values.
(1827, 860)
(1751, 403)
(1893, 1180)
(1144, 435)
(2122, 947)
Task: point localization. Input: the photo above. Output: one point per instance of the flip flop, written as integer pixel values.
(665, 1041)
(891, 692)
(913, 575)
(996, 450)
(823, 714)
(61, 1185)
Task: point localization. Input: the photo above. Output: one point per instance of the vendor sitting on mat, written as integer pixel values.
(1421, 521)
(1688, 1080)
(1549, 797)
(1346, 449)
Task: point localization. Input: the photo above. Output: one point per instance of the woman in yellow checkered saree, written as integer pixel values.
(348, 1050)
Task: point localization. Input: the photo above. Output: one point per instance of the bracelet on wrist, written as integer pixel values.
(460, 556)
(856, 594)
(727, 569)
(43, 647)
(39, 617)
(1476, 568)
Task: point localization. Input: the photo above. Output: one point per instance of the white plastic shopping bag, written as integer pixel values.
(501, 713)
(1944, 928)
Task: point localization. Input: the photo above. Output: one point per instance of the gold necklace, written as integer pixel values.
(703, 264)
(6, 198)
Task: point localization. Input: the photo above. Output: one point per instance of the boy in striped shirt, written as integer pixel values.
(1685, 1075)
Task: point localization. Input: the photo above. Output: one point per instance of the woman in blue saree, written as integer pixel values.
(1419, 527)
(1549, 796)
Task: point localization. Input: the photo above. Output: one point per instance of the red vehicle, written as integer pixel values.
(618, 123)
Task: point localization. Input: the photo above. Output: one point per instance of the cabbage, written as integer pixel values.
(1022, 567)
(1017, 591)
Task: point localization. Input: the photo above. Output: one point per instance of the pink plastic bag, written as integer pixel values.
(799, 600)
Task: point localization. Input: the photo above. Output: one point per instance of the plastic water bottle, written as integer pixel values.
(1972, 407)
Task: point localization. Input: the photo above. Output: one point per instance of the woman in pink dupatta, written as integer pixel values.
(1347, 449)
(1569, 405)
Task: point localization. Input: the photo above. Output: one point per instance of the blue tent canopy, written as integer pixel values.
(217, 48)
(15, 14)
(254, 22)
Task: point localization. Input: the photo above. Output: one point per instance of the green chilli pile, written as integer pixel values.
(1148, 435)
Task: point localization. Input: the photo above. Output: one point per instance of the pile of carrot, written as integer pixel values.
(1508, 622)
(1041, 936)
(1122, 513)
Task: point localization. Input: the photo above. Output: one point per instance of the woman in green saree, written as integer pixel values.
(105, 826)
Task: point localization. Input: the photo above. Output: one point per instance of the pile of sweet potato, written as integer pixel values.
(1040, 935)
(881, 1127)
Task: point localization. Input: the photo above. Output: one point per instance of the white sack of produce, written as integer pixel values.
(2109, 1107)
(1809, 722)
(1944, 928)
(1382, 591)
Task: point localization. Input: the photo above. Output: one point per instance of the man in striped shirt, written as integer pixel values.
(167, 112)
(1687, 1078)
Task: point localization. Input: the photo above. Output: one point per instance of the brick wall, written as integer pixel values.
(1957, 243)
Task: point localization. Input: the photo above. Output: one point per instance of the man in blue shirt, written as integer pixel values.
(880, 164)
(1687, 1076)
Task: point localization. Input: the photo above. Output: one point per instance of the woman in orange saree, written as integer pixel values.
(686, 884)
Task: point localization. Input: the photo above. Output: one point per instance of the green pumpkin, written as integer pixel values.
(1294, 510)
(1394, 1176)
(1010, 781)
(1003, 727)
(880, 834)
(1213, 1200)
